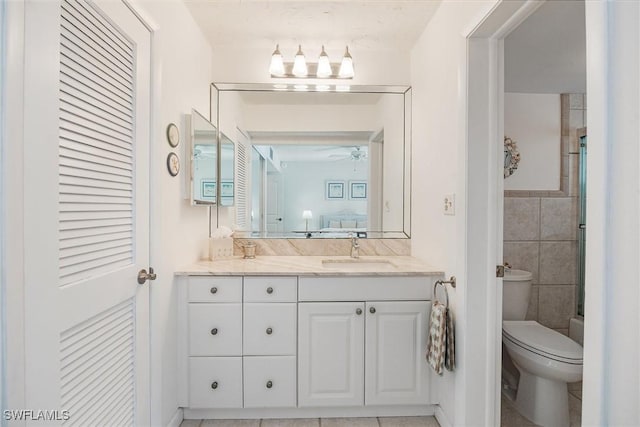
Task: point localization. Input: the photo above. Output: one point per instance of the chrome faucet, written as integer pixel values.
(355, 246)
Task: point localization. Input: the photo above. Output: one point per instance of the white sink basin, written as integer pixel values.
(359, 263)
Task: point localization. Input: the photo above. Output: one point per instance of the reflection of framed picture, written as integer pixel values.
(208, 190)
(334, 190)
(358, 190)
(226, 189)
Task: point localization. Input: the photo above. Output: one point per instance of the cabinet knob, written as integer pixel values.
(214, 290)
(269, 331)
(372, 310)
(269, 290)
(358, 311)
(269, 384)
(214, 385)
(214, 331)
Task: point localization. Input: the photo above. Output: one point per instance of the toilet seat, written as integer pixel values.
(543, 341)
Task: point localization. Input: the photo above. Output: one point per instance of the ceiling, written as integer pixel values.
(374, 24)
(547, 52)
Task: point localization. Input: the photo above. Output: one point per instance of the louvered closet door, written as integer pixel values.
(87, 126)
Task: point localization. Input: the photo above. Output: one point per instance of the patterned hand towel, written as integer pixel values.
(436, 347)
(450, 340)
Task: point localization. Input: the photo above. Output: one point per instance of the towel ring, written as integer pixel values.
(443, 283)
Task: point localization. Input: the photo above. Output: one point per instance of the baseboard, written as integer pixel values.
(442, 418)
(177, 418)
(318, 412)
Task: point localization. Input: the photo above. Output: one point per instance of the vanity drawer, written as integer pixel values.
(215, 382)
(215, 289)
(215, 329)
(270, 382)
(271, 289)
(270, 329)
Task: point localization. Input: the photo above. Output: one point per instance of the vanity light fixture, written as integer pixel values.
(299, 64)
(299, 68)
(324, 66)
(346, 67)
(276, 68)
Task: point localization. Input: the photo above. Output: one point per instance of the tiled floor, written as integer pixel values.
(319, 422)
(510, 417)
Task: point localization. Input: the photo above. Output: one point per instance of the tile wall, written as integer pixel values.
(540, 230)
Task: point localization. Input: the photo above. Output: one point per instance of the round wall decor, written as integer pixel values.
(511, 156)
(173, 164)
(173, 135)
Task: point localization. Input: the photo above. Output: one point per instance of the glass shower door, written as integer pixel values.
(582, 223)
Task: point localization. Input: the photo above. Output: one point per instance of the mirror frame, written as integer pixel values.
(406, 91)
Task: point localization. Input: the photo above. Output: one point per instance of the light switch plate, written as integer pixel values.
(449, 204)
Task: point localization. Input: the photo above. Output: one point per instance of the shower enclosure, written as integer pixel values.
(582, 218)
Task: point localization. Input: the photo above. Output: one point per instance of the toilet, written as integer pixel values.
(545, 359)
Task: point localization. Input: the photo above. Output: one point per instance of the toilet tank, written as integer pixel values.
(516, 291)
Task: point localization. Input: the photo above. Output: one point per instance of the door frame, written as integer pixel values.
(484, 228)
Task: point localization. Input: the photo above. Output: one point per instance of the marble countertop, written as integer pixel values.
(312, 266)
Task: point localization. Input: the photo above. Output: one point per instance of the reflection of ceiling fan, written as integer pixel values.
(356, 154)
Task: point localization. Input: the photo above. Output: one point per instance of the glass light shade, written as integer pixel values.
(299, 64)
(324, 66)
(276, 68)
(307, 214)
(346, 67)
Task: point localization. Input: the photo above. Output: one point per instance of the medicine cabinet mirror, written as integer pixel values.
(314, 162)
(204, 160)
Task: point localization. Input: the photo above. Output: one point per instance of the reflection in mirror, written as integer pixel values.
(227, 170)
(318, 164)
(204, 164)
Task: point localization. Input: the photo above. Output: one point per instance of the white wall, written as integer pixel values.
(438, 78)
(304, 188)
(182, 74)
(533, 121)
(611, 392)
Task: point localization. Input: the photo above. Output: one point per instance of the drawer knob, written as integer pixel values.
(214, 290)
(214, 385)
(358, 311)
(214, 331)
(269, 290)
(269, 384)
(372, 310)
(269, 331)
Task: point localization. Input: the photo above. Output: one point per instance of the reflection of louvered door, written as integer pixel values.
(87, 212)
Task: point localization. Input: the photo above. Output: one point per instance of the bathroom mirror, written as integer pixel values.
(316, 161)
(204, 160)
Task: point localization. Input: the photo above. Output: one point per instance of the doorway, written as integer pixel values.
(486, 127)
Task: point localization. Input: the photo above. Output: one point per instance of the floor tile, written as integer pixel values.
(408, 422)
(575, 411)
(230, 423)
(349, 422)
(291, 422)
(190, 423)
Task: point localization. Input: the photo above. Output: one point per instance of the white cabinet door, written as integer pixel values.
(270, 382)
(396, 341)
(269, 329)
(215, 329)
(215, 382)
(331, 354)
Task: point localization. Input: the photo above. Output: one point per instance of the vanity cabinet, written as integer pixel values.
(241, 342)
(301, 346)
(357, 353)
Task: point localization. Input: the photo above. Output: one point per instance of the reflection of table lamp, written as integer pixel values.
(307, 215)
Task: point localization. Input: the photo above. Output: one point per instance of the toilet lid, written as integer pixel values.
(537, 338)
